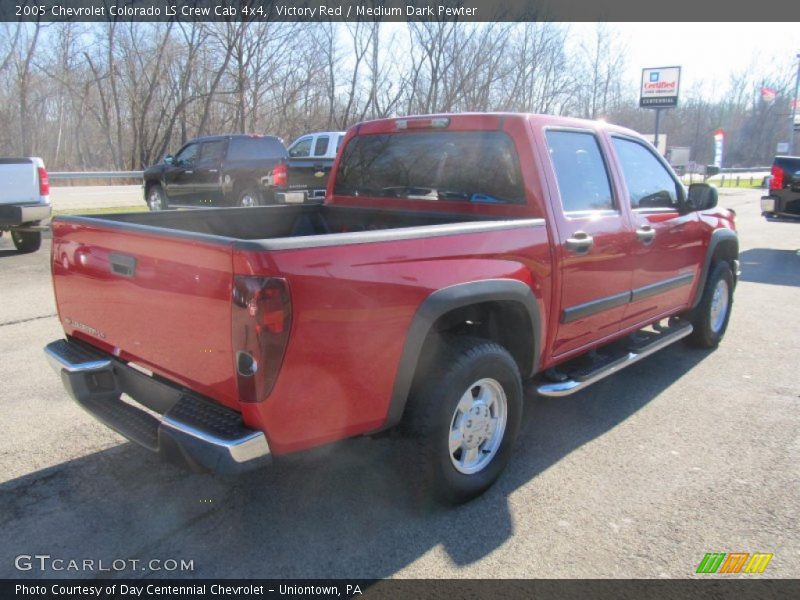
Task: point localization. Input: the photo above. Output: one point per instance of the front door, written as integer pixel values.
(667, 243)
(594, 235)
(179, 176)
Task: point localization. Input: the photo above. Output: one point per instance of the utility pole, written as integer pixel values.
(794, 109)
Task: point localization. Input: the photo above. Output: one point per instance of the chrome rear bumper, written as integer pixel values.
(177, 425)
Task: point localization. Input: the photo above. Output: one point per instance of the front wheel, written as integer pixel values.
(710, 317)
(463, 417)
(156, 198)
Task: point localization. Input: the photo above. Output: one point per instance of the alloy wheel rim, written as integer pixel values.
(477, 426)
(719, 305)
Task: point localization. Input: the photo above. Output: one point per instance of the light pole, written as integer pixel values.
(794, 109)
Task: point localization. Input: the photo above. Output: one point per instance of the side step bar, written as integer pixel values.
(571, 386)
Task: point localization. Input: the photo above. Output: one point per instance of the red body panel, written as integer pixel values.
(353, 303)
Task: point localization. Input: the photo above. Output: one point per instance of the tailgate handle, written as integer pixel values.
(122, 264)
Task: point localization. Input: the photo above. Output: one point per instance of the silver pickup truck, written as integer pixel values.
(24, 201)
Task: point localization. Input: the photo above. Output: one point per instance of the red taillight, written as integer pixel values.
(261, 319)
(280, 175)
(44, 182)
(776, 183)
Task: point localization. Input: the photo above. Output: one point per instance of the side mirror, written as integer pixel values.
(169, 159)
(702, 196)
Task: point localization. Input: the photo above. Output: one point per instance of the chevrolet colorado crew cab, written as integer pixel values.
(784, 189)
(218, 170)
(455, 256)
(304, 175)
(24, 201)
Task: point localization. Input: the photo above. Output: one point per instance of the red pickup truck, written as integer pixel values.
(454, 257)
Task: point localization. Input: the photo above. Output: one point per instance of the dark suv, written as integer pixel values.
(783, 200)
(220, 170)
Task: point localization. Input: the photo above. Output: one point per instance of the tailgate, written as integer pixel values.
(159, 301)
(19, 181)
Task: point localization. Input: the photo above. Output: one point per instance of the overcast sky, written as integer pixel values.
(705, 51)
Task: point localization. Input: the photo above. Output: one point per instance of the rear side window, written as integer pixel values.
(471, 166)
(301, 149)
(649, 183)
(580, 171)
(212, 151)
(255, 148)
(321, 145)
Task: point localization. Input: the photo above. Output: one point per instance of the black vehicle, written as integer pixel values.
(304, 175)
(220, 170)
(784, 189)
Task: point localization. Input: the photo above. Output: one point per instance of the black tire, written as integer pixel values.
(156, 198)
(27, 241)
(710, 326)
(249, 196)
(432, 415)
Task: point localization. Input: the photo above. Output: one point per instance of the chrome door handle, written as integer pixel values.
(189, 172)
(213, 170)
(646, 234)
(580, 242)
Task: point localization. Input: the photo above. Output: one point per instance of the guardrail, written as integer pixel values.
(72, 175)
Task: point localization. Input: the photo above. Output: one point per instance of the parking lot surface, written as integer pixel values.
(684, 453)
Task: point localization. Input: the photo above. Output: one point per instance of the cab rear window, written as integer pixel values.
(256, 148)
(469, 166)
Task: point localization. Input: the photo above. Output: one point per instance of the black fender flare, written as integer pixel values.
(440, 303)
(718, 236)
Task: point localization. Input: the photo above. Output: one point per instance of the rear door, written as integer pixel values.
(303, 165)
(179, 181)
(667, 243)
(208, 187)
(594, 235)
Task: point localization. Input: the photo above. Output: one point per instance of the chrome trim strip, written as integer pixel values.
(571, 386)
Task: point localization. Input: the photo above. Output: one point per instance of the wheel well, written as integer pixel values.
(151, 184)
(505, 322)
(726, 250)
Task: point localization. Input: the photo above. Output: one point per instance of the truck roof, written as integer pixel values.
(230, 136)
(486, 120)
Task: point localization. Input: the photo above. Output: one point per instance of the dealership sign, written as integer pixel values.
(660, 87)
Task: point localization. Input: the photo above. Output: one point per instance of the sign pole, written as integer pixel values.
(794, 109)
(658, 122)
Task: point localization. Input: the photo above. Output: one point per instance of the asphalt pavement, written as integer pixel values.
(685, 453)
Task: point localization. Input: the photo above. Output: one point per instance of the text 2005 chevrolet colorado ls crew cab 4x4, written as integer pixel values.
(454, 257)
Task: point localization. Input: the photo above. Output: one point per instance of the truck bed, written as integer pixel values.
(276, 222)
(155, 289)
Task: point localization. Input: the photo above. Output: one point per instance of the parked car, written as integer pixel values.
(784, 189)
(218, 170)
(304, 175)
(24, 201)
(455, 257)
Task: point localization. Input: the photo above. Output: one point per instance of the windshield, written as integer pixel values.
(470, 166)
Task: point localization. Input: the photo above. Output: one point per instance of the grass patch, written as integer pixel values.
(105, 210)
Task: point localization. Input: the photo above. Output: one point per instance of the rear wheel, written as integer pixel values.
(462, 418)
(250, 196)
(710, 317)
(156, 198)
(26, 241)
